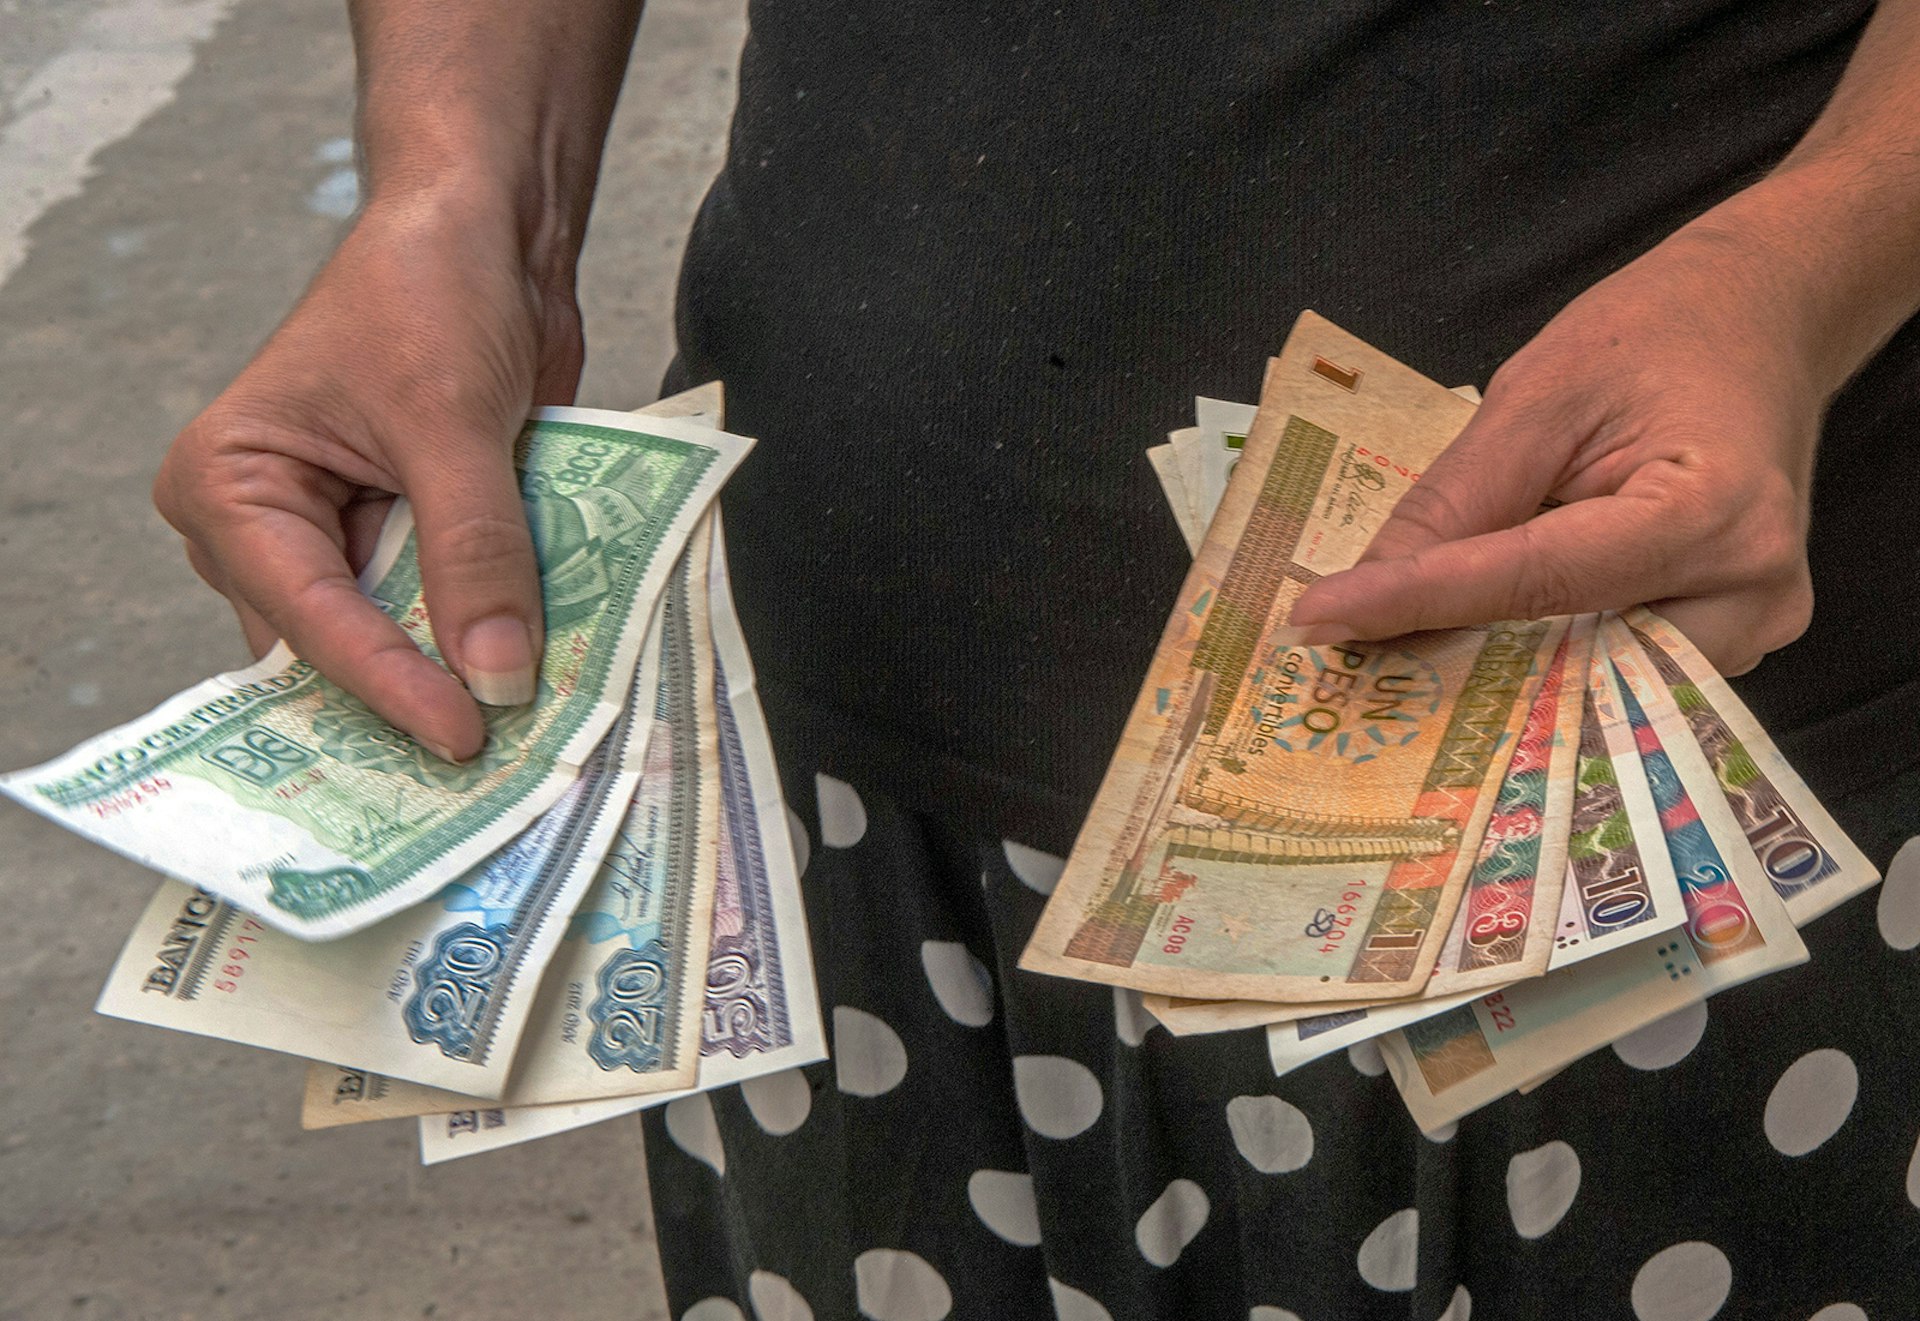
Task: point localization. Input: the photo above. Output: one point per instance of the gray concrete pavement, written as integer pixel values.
(152, 1175)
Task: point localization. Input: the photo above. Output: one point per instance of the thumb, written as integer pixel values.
(1606, 553)
(1492, 476)
(477, 566)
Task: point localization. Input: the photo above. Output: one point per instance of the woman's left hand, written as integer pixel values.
(1673, 411)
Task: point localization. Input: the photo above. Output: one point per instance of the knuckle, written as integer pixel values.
(1689, 500)
(238, 479)
(1511, 378)
(306, 616)
(1546, 582)
(1426, 513)
(479, 545)
(180, 473)
(1526, 391)
(1542, 589)
(210, 469)
(1789, 615)
(1772, 533)
(166, 501)
(1775, 553)
(203, 563)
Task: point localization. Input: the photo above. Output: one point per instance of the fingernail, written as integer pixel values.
(1315, 635)
(441, 751)
(496, 656)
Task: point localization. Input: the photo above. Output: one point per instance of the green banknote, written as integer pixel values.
(276, 791)
(619, 1009)
(440, 994)
(762, 1015)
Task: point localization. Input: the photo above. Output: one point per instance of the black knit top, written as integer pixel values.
(966, 261)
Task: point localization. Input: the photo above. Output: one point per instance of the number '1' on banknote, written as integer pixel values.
(1284, 821)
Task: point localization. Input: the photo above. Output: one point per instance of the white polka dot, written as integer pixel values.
(1913, 1176)
(899, 1286)
(1274, 1136)
(1810, 1102)
(1459, 1307)
(1069, 1304)
(1840, 1312)
(691, 1125)
(1365, 1056)
(1166, 1227)
(1266, 1312)
(1131, 1021)
(802, 846)
(843, 817)
(714, 1309)
(959, 981)
(1443, 1134)
(1541, 1186)
(779, 1101)
(1664, 1042)
(1686, 1282)
(868, 1059)
(1390, 1255)
(1059, 1097)
(776, 1300)
(1037, 871)
(1899, 908)
(1003, 1199)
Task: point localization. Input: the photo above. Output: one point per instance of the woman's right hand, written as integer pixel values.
(408, 368)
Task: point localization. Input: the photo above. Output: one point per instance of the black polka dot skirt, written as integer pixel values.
(992, 1144)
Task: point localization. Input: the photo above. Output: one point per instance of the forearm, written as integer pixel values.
(1838, 222)
(497, 109)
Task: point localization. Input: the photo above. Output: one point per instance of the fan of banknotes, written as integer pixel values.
(599, 913)
(1493, 850)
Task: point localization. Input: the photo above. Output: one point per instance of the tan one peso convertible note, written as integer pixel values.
(1290, 822)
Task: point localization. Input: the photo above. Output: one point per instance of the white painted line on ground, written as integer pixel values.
(125, 65)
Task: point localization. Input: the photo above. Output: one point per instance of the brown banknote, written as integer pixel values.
(1503, 930)
(1286, 821)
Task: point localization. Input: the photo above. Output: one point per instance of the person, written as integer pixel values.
(962, 265)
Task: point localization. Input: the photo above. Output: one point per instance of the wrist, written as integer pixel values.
(495, 105)
(494, 215)
(1830, 249)
(492, 112)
